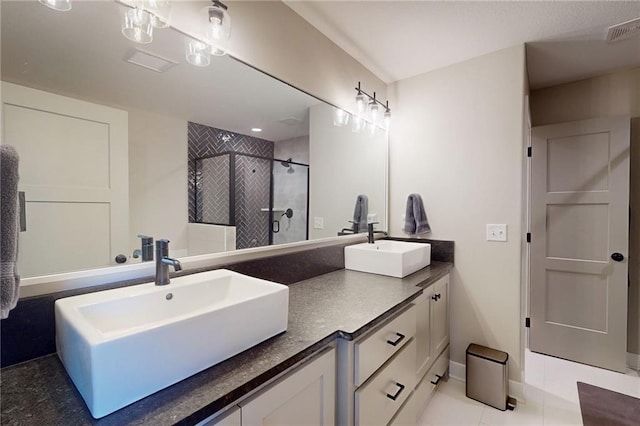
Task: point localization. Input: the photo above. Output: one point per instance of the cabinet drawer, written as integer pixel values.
(378, 347)
(407, 414)
(425, 388)
(380, 398)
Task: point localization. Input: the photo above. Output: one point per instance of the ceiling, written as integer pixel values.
(401, 39)
(81, 54)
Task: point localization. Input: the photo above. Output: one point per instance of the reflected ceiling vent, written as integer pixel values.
(149, 61)
(624, 30)
(290, 121)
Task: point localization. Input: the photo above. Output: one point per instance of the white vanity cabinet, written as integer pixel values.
(305, 396)
(432, 340)
(376, 373)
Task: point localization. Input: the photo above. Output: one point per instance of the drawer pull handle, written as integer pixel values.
(398, 340)
(436, 381)
(398, 392)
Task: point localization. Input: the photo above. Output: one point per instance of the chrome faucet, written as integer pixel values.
(146, 250)
(163, 261)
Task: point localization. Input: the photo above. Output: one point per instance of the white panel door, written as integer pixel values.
(579, 241)
(74, 172)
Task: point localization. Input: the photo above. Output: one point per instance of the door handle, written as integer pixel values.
(398, 340)
(618, 257)
(398, 392)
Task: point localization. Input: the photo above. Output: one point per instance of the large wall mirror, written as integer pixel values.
(119, 139)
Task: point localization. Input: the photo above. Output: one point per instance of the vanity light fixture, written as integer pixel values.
(143, 16)
(59, 5)
(370, 109)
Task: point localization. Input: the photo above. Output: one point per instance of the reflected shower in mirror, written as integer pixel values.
(108, 131)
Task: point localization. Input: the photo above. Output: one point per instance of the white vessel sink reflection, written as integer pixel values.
(388, 257)
(121, 345)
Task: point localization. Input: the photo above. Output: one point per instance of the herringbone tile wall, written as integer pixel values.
(212, 182)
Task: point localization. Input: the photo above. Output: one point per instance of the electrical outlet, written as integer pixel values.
(496, 232)
(318, 223)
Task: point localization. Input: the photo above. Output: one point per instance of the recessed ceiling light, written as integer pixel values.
(256, 129)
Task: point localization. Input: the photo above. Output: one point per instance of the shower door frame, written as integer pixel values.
(232, 188)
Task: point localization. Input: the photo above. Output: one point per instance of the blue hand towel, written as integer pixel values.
(361, 212)
(415, 220)
(9, 229)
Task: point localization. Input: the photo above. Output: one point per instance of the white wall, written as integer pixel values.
(337, 157)
(607, 95)
(158, 197)
(457, 139)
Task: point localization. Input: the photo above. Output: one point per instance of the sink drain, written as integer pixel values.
(169, 296)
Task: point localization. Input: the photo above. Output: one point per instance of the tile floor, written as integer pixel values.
(550, 391)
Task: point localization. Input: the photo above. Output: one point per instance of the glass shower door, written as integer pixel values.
(290, 191)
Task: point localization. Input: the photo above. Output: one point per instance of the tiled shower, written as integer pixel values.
(234, 180)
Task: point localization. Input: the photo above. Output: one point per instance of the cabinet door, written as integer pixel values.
(440, 316)
(423, 331)
(304, 397)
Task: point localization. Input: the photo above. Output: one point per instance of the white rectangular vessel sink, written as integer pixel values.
(121, 345)
(387, 257)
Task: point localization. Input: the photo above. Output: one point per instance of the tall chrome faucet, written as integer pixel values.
(163, 261)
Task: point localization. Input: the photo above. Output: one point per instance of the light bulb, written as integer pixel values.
(340, 117)
(198, 53)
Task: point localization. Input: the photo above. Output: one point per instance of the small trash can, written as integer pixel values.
(488, 376)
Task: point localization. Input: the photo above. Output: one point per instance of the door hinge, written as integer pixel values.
(529, 151)
(528, 237)
(527, 322)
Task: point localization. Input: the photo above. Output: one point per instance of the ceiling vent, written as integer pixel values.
(291, 121)
(149, 61)
(624, 30)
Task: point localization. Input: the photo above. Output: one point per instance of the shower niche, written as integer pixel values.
(265, 199)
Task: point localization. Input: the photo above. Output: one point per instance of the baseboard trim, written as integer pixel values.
(633, 361)
(459, 372)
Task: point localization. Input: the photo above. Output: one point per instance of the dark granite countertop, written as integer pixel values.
(341, 304)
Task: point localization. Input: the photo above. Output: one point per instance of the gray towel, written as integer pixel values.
(9, 229)
(415, 220)
(361, 212)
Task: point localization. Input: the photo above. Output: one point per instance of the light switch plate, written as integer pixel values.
(318, 223)
(496, 232)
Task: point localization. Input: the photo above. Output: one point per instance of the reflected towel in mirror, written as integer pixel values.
(415, 220)
(360, 213)
(9, 230)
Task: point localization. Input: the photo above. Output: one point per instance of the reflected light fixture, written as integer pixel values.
(198, 53)
(256, 129)
(142, 17)
(357, 124)
(218, 27)
(340, 117)
(136, 25)
(59, 5)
